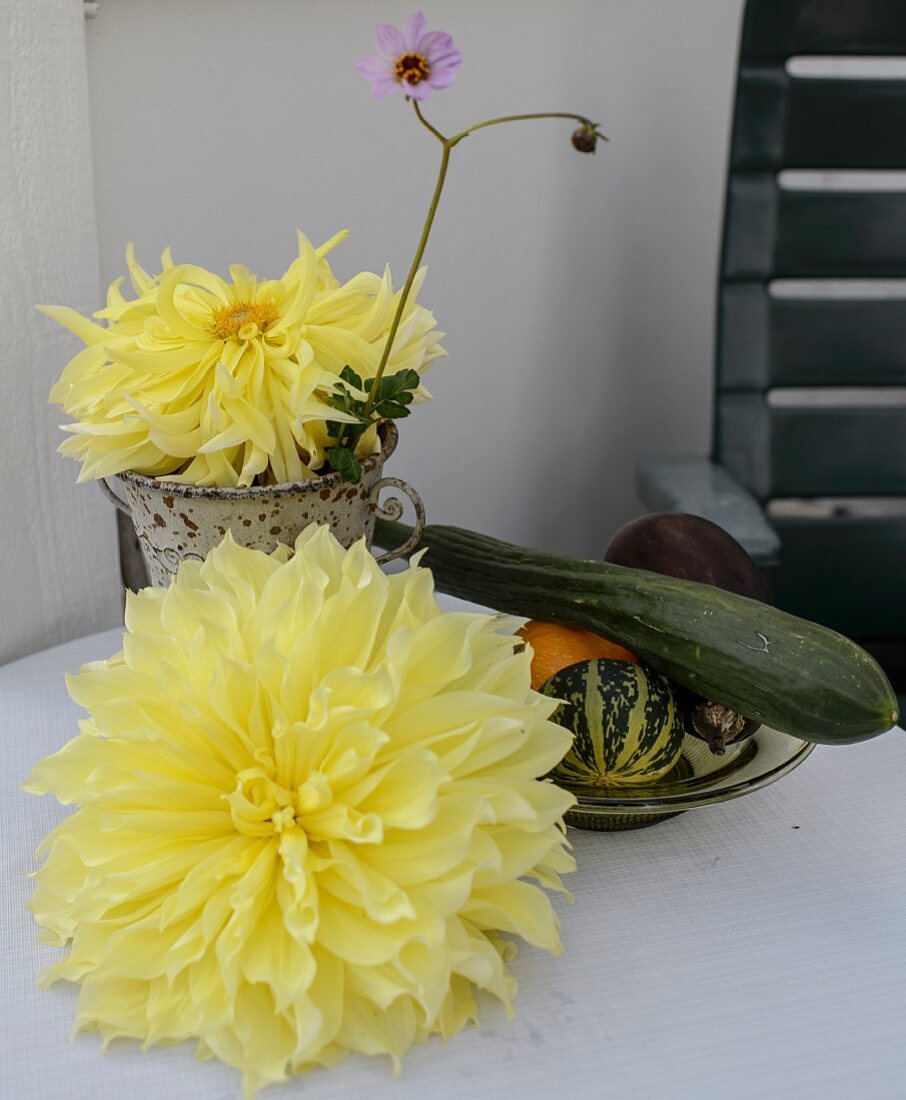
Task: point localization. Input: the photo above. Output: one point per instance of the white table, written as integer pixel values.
(752, 949)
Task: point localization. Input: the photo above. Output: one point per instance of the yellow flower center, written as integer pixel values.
(243, 319)
(261, 806)
(412, 67)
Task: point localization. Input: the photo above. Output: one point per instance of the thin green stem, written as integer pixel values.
(448, 144)
(427, 125)
(519, 118)
(416, 261)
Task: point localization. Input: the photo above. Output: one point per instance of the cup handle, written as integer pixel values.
(393, 510)
(111, 496)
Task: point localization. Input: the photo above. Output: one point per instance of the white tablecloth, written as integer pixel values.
(752, 949)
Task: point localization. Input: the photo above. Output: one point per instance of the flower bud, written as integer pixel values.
(585, 139)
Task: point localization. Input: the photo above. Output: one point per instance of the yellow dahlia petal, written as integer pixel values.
(328, 245)
(308, 814)
(142, 282)
(86, 330)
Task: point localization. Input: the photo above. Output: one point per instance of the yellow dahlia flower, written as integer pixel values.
(308, 811)
(223, 383)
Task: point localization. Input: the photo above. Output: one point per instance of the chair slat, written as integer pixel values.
(785, 122)
(776, 233)
(765, 341)
(776, 29)
(857, 560)
(807, 451)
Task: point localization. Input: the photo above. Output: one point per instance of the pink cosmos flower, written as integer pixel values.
(413, 59)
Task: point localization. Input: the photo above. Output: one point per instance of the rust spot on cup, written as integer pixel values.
(159, 520)
(168, 501)
(192, 526)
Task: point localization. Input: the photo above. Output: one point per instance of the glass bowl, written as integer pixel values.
(699, 779)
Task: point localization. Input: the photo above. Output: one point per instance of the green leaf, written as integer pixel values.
(394, 394)
(389, 410)
(345, 463)
(353, 435)
(404, 397)
(350, 376)
(399, 383)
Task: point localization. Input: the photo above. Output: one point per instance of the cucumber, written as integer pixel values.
(793, 675)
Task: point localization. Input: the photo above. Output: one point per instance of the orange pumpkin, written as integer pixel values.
(555, 647)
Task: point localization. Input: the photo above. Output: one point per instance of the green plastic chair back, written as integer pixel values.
(839, 563)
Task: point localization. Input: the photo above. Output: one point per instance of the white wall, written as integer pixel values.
(577, 291)
(58, 568)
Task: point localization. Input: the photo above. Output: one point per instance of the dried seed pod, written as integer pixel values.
(715, 724)
(585, 139)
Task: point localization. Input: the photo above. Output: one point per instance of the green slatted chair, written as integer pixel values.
(778, 465)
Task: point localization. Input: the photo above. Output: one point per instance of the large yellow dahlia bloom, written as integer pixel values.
(223, 383)
(308, 808)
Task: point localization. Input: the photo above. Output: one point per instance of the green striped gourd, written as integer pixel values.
(626, 725)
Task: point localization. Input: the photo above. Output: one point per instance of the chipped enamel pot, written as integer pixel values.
(175, 522)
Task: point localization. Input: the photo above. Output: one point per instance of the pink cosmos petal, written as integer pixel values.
(380, 73)
(434, 43)
(417, 91)
(441, 78)
(373, 68)
(450, 60)
(413, 29)
(444, 73)
(389, 41)
(380, 89)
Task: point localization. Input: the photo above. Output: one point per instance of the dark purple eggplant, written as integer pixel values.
(692, 548)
